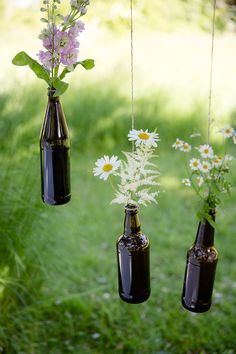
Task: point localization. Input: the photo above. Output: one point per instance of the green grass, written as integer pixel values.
(59, 292)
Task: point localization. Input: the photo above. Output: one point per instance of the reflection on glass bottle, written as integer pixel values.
(133, 260)
(55, 154)
(200, 270)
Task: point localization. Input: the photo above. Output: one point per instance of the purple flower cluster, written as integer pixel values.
(62, 45)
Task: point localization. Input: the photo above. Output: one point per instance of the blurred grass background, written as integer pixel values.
(58, 277)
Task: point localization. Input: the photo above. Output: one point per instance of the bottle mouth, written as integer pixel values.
(51, 92)
(131, 207)
(212, 212)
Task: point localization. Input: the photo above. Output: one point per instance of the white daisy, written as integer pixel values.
(195, 135)
(205, 166)
(206, 151)
(194, 164)
(234, 138)
(199, 181)
(227, 132)
(186, 182)
(185, 147)
(217, 162)
(143, 137)
(106, 166)
(177, 144)
(228, 157)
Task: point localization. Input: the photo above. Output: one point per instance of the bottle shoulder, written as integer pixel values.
(133, 242)
(200, 254)
(54, 124)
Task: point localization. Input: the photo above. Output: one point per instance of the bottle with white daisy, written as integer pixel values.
(208, 175)
(137, 187)
(200, 269)
(133, 250)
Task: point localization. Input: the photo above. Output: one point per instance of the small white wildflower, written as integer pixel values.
(96, 335)
(143, 137)
(234, 138)
(228, 157)
(199, 181)
(177, 144)
(227, 132)
(186, 182)
(106, 166)
(205, 166)
(206, 151)
(185, 147)
(58, 302)
(217, 162)
(146, 197)
(195, 135)
(194, 164)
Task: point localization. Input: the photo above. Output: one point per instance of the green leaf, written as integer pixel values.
(23, 59)
(60, 86)
(88, 64)
(210, 220)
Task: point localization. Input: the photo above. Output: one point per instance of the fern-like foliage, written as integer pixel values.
(138, 177)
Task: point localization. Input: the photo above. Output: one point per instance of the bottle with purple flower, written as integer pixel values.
(60, 40)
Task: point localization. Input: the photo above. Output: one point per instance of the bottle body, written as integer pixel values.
(55, 155)
(133, 257)
(200, 270)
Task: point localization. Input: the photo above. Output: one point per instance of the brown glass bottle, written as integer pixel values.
(133, 250)
(200, 270)
(55, 154)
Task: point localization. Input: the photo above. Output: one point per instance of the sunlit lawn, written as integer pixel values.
(58, 264)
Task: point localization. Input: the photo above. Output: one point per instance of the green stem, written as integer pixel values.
(53, 45)
(56, 71)
(112, 184)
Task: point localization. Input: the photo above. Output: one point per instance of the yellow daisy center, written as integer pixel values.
(107, 167)
(185, 147)
(206, 151)
(195, 163)
(228, 131)
(205, 167)
(144, 136)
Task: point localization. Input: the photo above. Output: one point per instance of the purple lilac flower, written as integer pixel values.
(69, 57)
(66, 19)
(46, 59)
(79, 5)
(74, 4)
(47, 37)
(76, 29)
(62, 41)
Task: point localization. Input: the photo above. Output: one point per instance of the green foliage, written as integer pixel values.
(88, 64)
(23, 59)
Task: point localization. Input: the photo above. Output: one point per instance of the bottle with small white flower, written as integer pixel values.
(137, 186)
(208, 176)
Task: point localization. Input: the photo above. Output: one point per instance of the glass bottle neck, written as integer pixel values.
(132, 223)
(205, 233)
(51, 97)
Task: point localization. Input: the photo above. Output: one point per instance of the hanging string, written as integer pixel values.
(211, 73)
(132, 65)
